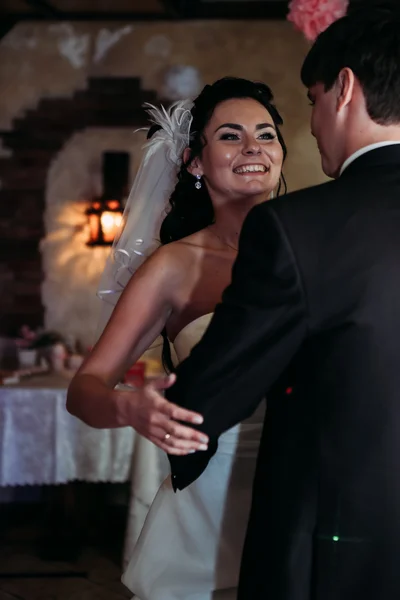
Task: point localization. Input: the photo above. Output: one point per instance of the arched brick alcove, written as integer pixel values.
(34, 140)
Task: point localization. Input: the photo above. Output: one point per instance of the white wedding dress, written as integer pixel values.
(191, 544)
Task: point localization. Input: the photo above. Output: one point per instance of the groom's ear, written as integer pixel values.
(345, 88)
(194, 166)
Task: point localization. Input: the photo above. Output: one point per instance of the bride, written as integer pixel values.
(219, 156)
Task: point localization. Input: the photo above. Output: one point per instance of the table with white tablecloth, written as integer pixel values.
(42, 444)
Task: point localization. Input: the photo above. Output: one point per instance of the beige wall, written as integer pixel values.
(71, 268)
(43, 60)
(55, 59)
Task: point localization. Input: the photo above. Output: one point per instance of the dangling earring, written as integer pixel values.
(271, 196)
(197, 185)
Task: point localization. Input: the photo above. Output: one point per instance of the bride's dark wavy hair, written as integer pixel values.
(190, 209)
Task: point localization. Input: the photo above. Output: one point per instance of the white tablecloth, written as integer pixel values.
(41, 443)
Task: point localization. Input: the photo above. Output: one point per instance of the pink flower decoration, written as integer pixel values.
(312, 17)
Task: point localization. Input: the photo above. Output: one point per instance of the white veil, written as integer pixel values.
(146, 206)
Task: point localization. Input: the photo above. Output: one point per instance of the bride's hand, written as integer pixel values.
(153, 417)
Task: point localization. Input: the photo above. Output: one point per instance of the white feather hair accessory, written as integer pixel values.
(174, 134)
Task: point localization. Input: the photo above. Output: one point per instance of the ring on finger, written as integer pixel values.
(167, 436)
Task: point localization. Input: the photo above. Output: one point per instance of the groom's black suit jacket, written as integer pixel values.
(314, 304)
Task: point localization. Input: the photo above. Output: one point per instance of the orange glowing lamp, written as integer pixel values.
(105, 213)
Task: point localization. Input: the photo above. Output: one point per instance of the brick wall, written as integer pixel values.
(34, 141)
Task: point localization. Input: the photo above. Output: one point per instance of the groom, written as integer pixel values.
(314, 304)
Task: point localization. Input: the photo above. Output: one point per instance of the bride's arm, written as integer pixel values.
(137, 320)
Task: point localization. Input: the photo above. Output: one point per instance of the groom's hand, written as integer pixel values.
(160, 421)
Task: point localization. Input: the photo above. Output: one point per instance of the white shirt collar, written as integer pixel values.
(364, 150)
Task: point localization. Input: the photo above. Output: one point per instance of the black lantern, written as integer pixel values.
(105, 213)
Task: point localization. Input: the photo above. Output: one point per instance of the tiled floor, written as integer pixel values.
(29, 573)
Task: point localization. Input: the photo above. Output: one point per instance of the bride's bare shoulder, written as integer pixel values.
(173, 260)
(168, 271)
(182, 251)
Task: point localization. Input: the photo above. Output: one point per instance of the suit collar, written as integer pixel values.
(364, 150)
(374, 157)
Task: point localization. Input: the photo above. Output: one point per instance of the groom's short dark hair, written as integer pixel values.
(366, 40)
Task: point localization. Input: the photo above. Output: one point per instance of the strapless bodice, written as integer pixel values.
(243, 438)
(190, 335)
